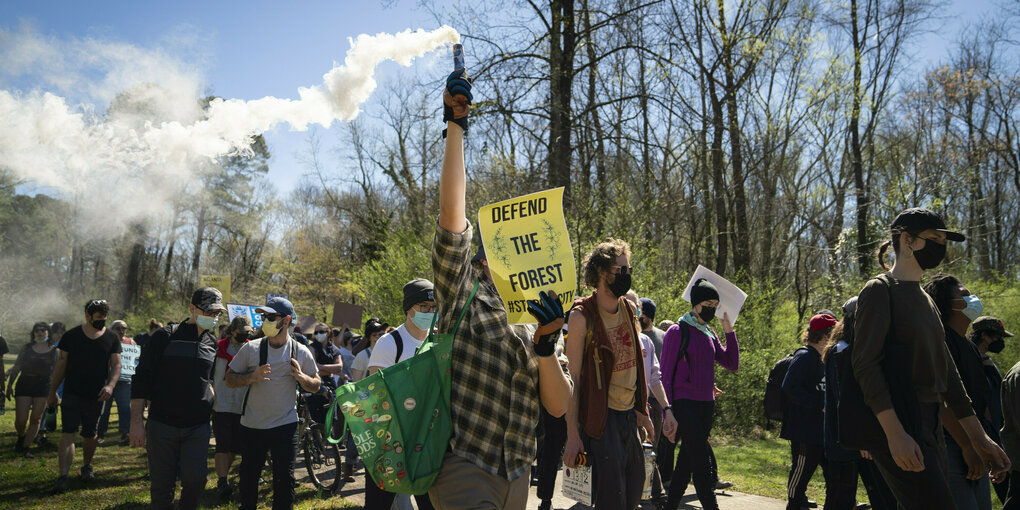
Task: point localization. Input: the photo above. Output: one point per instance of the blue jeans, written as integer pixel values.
(122, 396)
(968, 494)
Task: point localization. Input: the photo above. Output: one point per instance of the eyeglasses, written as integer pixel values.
(425, 308)
(324, 332)
(622, 269)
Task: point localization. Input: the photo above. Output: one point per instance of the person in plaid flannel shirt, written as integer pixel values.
(501, 373)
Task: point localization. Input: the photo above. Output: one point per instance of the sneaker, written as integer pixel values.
(545, 505)
(721, 485)
(863, 506)
(87, 475)
(125, 438)
(61, 485)
(811, 504)
(19, 447)
(348, 472)
(224, 489)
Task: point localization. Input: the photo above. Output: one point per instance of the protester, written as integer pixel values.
(57, 330)
(49, 424)
(269, 410)
(689, 380)
(346, 356)
(327, 361)
(29, 383)
(174, 377)
(968, 480)
(647, 321)
(419, 307)
(661, 414)
(893, 304)
(374, 330)
(142, 339)
(226, 419)
(90, 362)
(804, 388)
(4, 349)
(989, 335)
(844, 466)
(1011, 433)
(501, 374)
(122, 392)
(551, 440)
(665, 325)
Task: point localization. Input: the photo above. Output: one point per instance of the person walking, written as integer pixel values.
(989, 334)
(501, 373)
(29, 382)
(226, 419)
(913, 459)
(804, 388)
(90, 364)
(174, 377)
(129, 352)
(419, 306)
(688, 375)
(270, 367)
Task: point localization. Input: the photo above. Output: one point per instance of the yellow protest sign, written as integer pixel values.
(220, 283)
(528, 249)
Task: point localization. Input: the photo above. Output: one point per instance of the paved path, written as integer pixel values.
(728, 500)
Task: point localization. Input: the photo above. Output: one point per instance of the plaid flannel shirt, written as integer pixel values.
(494, 383)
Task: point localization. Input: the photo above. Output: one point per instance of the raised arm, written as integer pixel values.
(453, 181)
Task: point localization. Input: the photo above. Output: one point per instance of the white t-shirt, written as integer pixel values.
(384, 353)
(359, 369)
(272, 403)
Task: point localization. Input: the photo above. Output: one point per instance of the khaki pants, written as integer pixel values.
(461, 485)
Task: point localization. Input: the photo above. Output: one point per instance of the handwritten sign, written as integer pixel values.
(248, 311)
(220, 283)
(129, 358)
(528, 250)
(577, 484)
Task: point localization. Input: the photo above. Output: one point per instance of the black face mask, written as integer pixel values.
(242, 338)
(620, 285)
(931, 255)
(645, 323)
(99, 324)
(997, 346)
(707, 313)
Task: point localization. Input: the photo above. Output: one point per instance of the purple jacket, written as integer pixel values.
(693, 378)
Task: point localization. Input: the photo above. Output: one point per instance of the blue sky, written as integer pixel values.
(248, 50)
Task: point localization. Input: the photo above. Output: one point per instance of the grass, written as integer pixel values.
(120, 477)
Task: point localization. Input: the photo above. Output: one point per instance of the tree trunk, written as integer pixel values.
(196, 258)
(562, 37)
(718, 182)
(863, 247)
(133, 276)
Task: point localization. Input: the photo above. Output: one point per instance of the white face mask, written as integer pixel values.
(320, 337)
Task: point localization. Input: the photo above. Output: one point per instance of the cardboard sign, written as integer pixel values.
(306, 324)
(129, 355)
(247, 311)
(731, 298)
(347, 315)
(577, 484)
(528, 250)
(220, 283)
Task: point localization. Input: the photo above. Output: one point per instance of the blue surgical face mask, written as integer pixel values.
(207, 323)
(41, 340)
(974, 307)
(423, 320)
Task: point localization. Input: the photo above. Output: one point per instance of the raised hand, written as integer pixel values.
(457, 99)
(548, 311)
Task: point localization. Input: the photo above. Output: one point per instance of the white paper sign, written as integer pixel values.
(234, 311)
(129, 359)
(577, 484)
(731, 298)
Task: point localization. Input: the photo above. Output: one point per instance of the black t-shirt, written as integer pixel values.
(88, 361)
(325, 354)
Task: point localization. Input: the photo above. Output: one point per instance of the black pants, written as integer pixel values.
(1002, 488)
(693, 460)
(551, 452)
(879, 494)
(176, 452)
(618, 464)
(378, 499)
(805, 458)
(841, 485)
(665, 457)
(927, 489)
(282, 442)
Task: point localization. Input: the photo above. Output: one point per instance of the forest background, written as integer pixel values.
(770, 140)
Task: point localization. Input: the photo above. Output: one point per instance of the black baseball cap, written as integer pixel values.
(919, 218)
(992, 324)
(374, 324)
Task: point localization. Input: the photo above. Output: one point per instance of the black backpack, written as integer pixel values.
(775, 398)
(263, 358)
(400, 346)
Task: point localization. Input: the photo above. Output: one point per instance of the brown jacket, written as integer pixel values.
(597, 368)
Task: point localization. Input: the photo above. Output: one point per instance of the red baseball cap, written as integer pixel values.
(822, 321)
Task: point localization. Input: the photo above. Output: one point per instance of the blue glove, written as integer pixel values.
(549, 312)
(457, 100)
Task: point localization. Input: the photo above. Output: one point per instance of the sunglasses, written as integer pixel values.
(624, 269)
(271, 317)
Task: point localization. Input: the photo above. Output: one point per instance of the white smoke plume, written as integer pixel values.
(121, 163)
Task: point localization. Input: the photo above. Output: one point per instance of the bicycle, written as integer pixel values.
(322, 458)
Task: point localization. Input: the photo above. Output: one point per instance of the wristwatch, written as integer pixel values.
(667, 408)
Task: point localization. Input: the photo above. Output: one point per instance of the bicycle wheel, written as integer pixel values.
(322, 459)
